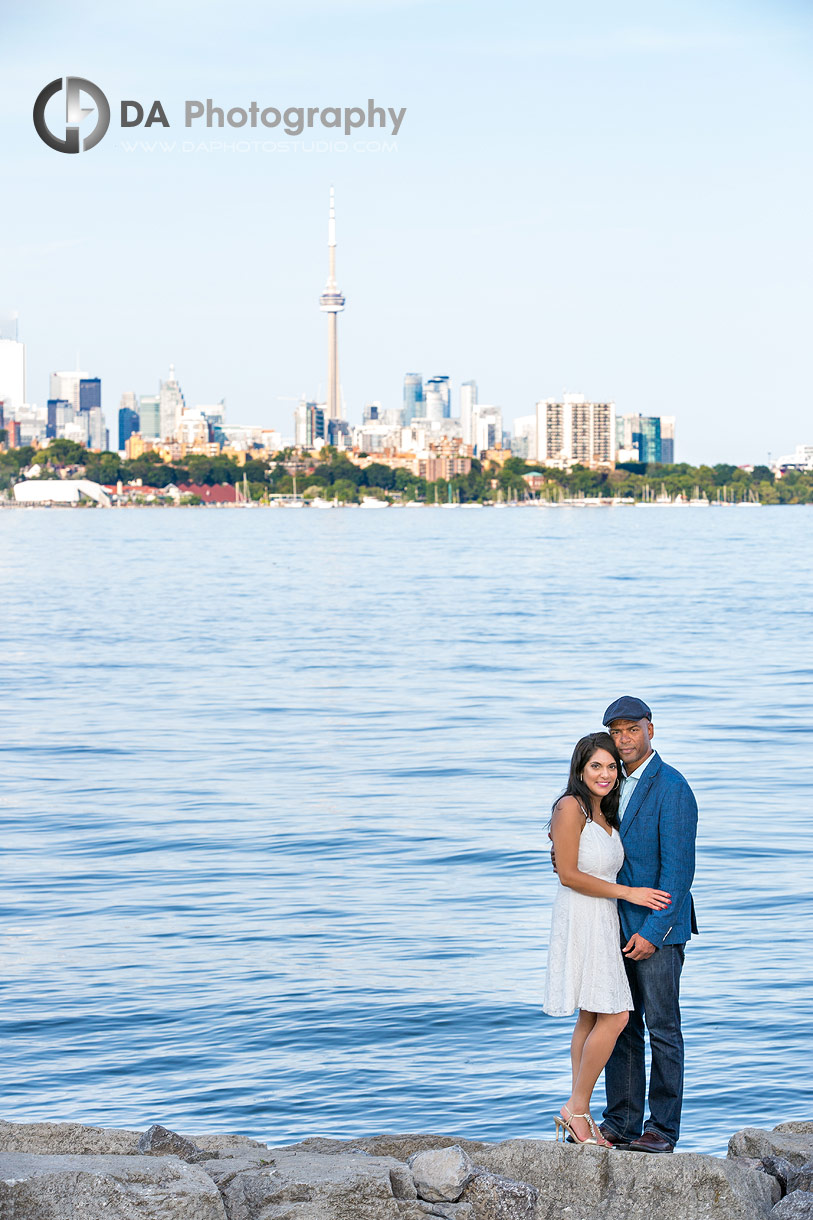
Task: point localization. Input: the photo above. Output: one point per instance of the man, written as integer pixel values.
(658, 828)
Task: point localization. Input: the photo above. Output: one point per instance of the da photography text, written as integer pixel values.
(294, 119)
(74, 133)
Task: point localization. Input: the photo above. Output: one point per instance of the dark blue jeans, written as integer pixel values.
(655, 987)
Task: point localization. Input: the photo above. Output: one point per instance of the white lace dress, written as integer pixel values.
(585, 966)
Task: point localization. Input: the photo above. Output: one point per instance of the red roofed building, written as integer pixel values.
(219, 493)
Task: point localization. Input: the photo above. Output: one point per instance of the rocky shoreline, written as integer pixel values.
(64, 1171)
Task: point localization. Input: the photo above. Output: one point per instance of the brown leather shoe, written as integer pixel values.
(617, 1141)
(651, 1141)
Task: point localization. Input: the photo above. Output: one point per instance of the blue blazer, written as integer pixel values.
(658, 832)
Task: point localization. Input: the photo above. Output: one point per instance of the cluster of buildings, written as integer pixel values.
(164, 423)
(425, 434)
(424, 431)
(73, 408)
(560, 432)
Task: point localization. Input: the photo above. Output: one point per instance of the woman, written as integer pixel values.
(585, 967)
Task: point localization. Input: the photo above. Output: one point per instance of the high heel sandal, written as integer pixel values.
(564, 1124)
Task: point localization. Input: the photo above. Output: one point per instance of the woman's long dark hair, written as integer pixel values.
(584, 751)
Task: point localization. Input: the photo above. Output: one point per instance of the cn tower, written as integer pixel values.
(331, 302)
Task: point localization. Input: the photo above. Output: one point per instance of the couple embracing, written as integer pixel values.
(623, 846)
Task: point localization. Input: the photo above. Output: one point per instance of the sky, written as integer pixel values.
(605, 199)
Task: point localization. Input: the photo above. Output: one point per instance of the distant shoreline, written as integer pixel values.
(543, 505)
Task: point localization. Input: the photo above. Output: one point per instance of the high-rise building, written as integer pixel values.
(439, 391)
(59, 413)
(523, 443)
(97, 430)
(331, 302)
(149, 414)
(67, 385)
(90, 393)
(33, 421)
(468, 401)
(338, 433)
(171, 405)
(413, 397)
(215, 415)
(574, 431)
(645, 438)
(129, 419)
(434, 404)
(486, 427)
(309, 425)
(194, 427)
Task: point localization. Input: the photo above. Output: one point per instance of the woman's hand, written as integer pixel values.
(643, 896)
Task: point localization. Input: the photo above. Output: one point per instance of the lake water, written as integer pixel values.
(274, 796)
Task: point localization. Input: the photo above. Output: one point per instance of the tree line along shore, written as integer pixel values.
(334, 476)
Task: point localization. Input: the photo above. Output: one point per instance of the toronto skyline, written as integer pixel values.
(637, 238)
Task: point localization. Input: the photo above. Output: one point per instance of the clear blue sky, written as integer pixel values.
(613, 199)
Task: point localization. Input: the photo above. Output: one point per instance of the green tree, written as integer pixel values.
(379, 475)
(254, 470)
(62, 452)
(103, 467)
(346, 491)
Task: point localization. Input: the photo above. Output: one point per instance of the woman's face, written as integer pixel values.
(600, 773)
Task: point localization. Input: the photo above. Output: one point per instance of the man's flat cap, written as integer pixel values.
(627, 708)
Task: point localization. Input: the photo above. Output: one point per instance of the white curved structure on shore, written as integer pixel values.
(60, 491)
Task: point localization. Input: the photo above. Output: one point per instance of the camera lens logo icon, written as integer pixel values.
(75, 86)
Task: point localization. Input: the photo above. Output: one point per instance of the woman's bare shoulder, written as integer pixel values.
(568, 807)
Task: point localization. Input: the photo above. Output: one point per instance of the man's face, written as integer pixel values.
(632, 738)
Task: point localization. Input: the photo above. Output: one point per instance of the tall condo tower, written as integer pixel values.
(331, 302)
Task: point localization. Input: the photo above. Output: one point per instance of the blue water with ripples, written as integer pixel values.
(274, 794)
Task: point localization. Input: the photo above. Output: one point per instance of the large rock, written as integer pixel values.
(590, 1183)
(221, 1169)
(802, 1179)
(299, 1184)
(791, 1141)
(496, 1198)
(778, 1168)
(441, 1173)
(67, 1139)
(798, 1205)
(160, 1141)
(599, 1184)
(78, 1169)
(48, 1187)
(401, 1147)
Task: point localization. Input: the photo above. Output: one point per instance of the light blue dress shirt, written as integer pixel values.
(628, 786)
